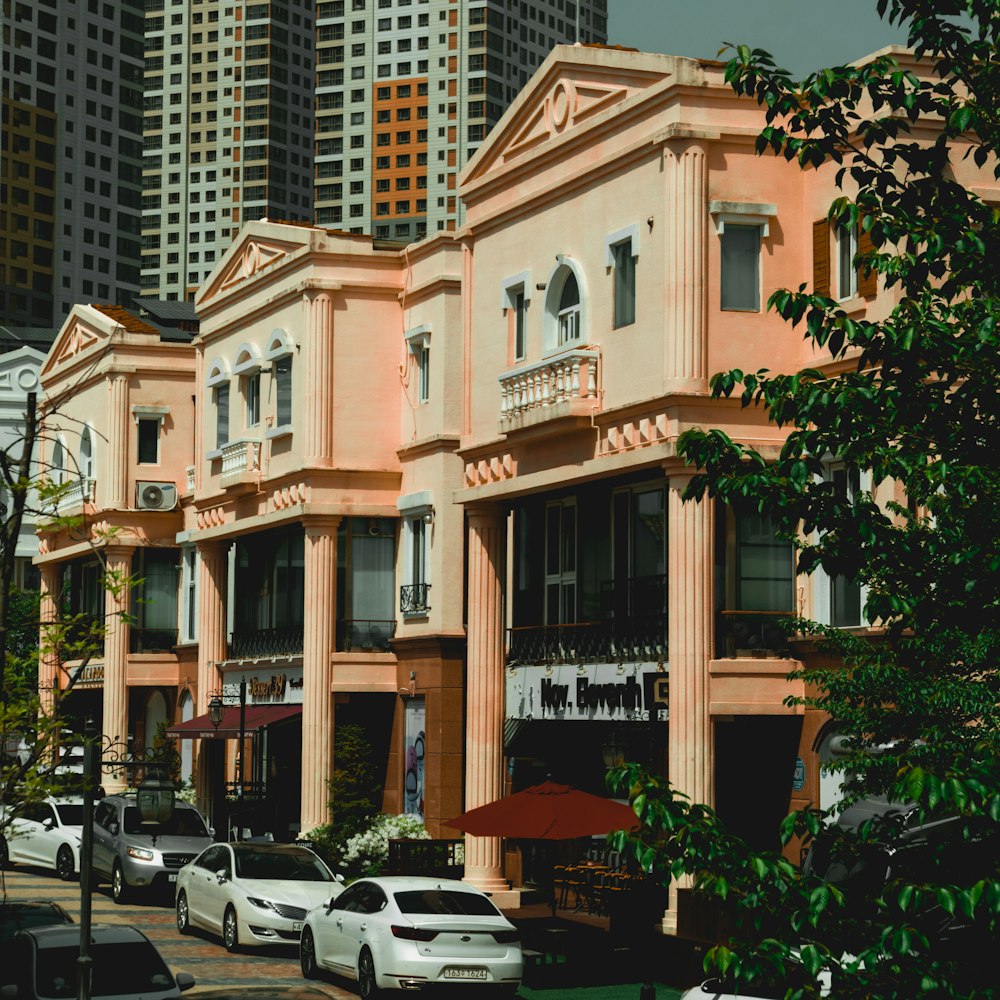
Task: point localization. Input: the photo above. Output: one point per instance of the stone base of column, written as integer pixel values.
(668, 925)
(686, 386)
(487, 879)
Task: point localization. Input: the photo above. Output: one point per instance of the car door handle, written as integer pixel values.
(364, 927)
(340, 923)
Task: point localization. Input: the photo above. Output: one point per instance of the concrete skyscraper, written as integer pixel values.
(228, 131)
(70, 156)
(406, 90)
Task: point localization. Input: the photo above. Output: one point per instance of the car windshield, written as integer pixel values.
(183, 823)
(445, 901)
(123, 968)
(70, 815)
(297, 865)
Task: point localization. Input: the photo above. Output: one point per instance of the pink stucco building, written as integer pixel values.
(434, 490)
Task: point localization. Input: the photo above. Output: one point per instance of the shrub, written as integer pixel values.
(367, 852)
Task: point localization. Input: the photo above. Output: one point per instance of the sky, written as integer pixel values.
(802, 35)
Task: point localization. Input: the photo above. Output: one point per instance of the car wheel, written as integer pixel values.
(4, 855)
(119, 887)
(307, 955)
(230, 930)
(183, 919)
(65, 868)
(367, 985)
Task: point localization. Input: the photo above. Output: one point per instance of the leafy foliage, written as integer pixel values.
(905, 907)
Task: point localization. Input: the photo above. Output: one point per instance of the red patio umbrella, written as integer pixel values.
(547, 812)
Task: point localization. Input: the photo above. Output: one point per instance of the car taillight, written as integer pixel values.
(413, 933)
(506, 937)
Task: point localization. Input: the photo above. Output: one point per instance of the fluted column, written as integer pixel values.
(319, 380)
(117, 589)
(213, 562)
(319, 620)
(485, 690)
(686, 352)
(48, 657)
(690, 562)
(117, 463)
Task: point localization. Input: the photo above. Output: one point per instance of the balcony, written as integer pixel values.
(760, 635)
(557, 389)
(252, 644)
(75, 494)
(240, 463)
(365, 635)
(152, 640)
(414, 598)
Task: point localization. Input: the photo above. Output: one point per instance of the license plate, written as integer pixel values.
(464, 973)
(172, 878)
(296, 925)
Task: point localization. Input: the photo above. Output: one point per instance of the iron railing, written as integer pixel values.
(152, 640)
(414, 598)
(355, 635)
(249, 643)
(758, 634)
(434, 858)
(638, 637)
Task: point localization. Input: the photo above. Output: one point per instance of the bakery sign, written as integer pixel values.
(612, 692)
(265, 686)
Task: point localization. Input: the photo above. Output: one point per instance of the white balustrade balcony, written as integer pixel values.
(76, 494)
(561, 386)
(240, 460)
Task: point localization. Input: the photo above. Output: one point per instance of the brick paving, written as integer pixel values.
(200, 954)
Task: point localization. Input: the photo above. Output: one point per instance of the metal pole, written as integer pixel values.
(243, 726)
(91, 772)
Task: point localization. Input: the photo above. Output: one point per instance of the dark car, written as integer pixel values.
(135, 855)
(16, 917)
(40, 964)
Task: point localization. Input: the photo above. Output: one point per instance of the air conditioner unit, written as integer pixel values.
(156, 496)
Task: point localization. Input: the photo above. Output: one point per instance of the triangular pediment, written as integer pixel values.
(19, 371)
(577, 86)
(84, 329)
(260, 247)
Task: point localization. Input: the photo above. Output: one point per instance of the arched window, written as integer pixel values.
(58, 462)
(565, 321)
(569, 310)
(87, 454)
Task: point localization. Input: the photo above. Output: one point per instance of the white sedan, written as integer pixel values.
(406, 933)
(252, 893)
(46, 834)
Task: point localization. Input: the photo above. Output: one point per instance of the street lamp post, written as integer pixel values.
(155, 801)
(216, 711)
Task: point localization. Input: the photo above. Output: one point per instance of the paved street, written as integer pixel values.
(199, 954)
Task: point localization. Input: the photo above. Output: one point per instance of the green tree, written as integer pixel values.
(912, 399)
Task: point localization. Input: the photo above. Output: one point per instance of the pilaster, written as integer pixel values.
(213, 563)
(686, 353)
(117, 454)
(319, 380)
(319, 638)
(117, 590)
(485, 691)
(48, 657)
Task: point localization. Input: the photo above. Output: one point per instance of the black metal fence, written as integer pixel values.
(414, 598)
(435, 858)
(247, 644)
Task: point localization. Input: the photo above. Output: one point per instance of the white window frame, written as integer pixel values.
(87, 464)
(847, 273)
(189, 594)
(517, 286)
(59, 472)
(628, 234)
(417, 514)
(248, 366)
(554, 336)
(281, 346)
(218, 382)
(747, 215)
(418, 343)
(157, 413)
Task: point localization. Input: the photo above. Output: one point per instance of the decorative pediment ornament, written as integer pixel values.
(254, 256)
(568, 103)
(73, 340)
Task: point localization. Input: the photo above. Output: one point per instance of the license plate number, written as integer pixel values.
(172, 878)
(464, 973)
(296, 925)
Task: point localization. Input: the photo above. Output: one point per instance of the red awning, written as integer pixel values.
(257, 716)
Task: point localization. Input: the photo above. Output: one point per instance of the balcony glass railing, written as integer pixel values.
(365, 635)
(758, 634)
(245, 644)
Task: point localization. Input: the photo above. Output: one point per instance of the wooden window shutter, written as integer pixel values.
(821, 257)
(867, 283)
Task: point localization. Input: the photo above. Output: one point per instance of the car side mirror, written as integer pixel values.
(330, 904)
(338, 878)
(211, 831)
(49, 824)
(222, 875)
(184, 981)
(113, 829)
(10, 990)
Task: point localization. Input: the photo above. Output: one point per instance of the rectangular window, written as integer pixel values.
(560, 562)
(624, 283)
(283, 391)
(189, 631)
(845, 593)
(154, 598)
(764, 569)
(520, 326)
(251, 393)
(847, 276)
(741, 267)
(149, 441)
(366, 584)
(220, 397)
(424, 373)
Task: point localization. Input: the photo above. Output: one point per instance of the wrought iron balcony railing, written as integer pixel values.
(356, 635)
(152, 640)
(758, 634)
(414, 598)
(246, 644)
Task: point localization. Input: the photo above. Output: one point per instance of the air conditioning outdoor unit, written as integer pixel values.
(156, 496)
